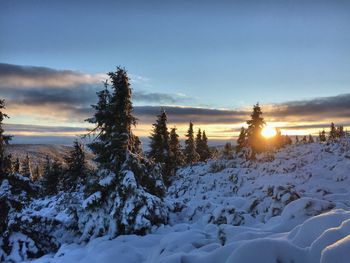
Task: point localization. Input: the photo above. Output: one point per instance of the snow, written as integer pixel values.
(292, 206)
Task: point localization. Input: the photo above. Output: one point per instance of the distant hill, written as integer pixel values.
(38, 152)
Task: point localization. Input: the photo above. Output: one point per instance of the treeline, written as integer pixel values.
(251, 141)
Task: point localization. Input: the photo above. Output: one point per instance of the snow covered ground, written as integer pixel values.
(292, 206)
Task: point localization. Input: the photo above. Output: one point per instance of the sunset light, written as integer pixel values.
(268, 131)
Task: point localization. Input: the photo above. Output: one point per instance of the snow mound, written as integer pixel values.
(290, 206)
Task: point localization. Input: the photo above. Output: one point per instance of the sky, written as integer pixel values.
(205, 61)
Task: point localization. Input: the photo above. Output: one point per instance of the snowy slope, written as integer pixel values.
(292, 206)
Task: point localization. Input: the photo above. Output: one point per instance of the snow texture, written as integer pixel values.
(290, 206)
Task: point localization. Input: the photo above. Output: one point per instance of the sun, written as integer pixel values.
(268, 131)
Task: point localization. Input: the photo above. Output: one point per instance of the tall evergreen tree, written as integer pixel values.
(76, 167)
(199, 144)
(16, 166)
(190, 147)
(125, 179)
(4, 139)
(51, 176)
(228, 151)
(113, 120)
(255, 125)
(332, 132)
(304, 139)
(8, 168)
(242, 140)
(340, 131)
(36, 173)
(206, 154)
(311, 139)
(159, 145)
(177, 157)
(322, 136)
(25, 167)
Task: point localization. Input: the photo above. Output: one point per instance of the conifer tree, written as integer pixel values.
(288, 140)
(159, 145)
(340, 131)
(304, 139)
(255, 125)
(190, 147)
(206, 154)
(125, 179)
(16, 166)
(25, 167)
(199, 144)
(36, 174)
(311, 139)
(242, 140)
(113, 121)
(4, 139)
(8, 164)
(228, 151)
(51, 176)
(76, 167)
(322, 136)
(177, 157)
(332, 132)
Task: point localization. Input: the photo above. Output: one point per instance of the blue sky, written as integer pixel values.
(227, 54)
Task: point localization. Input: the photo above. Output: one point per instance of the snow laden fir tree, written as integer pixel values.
(125, 196)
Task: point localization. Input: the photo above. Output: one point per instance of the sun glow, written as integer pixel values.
(268, 131)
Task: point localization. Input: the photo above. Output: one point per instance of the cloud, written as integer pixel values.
(61, 96)
(314, 109)
(36, 86)
(177, 114)
(160, 98)
(30, 76)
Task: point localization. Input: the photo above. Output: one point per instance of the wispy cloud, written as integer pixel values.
(61, 97)
(314, 109)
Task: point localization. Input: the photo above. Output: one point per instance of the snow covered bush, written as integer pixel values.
(124, 203)
(22, 235)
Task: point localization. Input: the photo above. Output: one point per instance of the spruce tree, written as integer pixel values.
(228, 151)
(125, 179)
(311, 139)
(199, 144)
(177, 157)
(76, 167)
(255, 125)
(304, 139)
(340, 131)
(322, 136)
(332, 133)
(25, 167)
(4, 139)
(190, 147)
(206, 154)
(8, 164)
(278, 139)
(242, 140)
(16, 166)
(113, 121)
(159, 145)
(51, 176)
(36, 174)
(288, 140)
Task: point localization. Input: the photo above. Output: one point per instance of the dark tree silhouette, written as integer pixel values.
(190, 147)
(255, 125)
